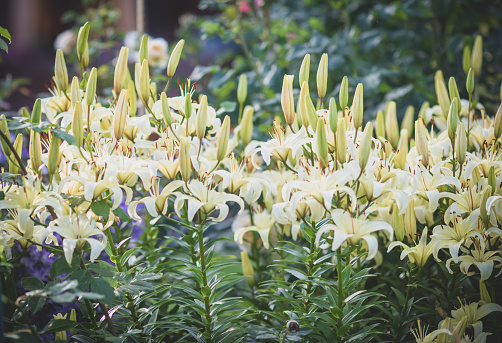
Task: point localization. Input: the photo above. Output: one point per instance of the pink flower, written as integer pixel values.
(258, 3)
(244, 6)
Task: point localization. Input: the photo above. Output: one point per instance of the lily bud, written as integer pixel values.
(492, 181)
(83, 45)
(143, 49)
(391, 126)
(452, 120)
(53, 158)
(304, 70)
(120, 117)
(483, 212)
(90, 92)
(202, 118)
(77, 125)
(306, 107)
(166, 111)
(461, 143)
(185, 160)
(398, 223)
(365, 148)
(131, 92)
(483, 292)
(497, 123)
(421, 141)
(410, 221)
(423, 110)
(35, 151)
(188, 105)
(358, 106)
(18, 147)
(36, 114)
(469, 83)
(460, 328)
(444, 337)
(402, 149)
(4, 127)
(174, 59)
(341, 140)
(477, 55)
(343, 95)
(322, 76)
(144, 83)
(222, 140)
(466, 59)
(246, 131)
(287, 99)
(322, 142)
(247, 268)
(333, 115)
(452, 86)
(75, 95)
(120, 76)
(442, 94)
(408, 121)
(242, 88)
(380, 126)
(60, 72)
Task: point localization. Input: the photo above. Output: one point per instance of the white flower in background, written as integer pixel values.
(65, 41)
(263, 222)
(157, 53)
(76, 231)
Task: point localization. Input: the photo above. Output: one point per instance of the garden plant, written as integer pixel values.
(163, 222)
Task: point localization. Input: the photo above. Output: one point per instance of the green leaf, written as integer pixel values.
(31, 283)
(102, 269)
(83, 277)
(5, 33)
(128, 255)
(65, 136)
(101, 286)
(227, 106)
(56, 325)
(60, 266)
(4, 45)
(119, 212)
(101, 208)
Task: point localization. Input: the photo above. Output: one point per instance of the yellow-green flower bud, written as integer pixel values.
(341, 140)
(358, 106)
(83, 45)
(90, 92)
(477, 55)
(402, 150)
(247, 268)
(144, 83)
(188, 105)
(202, 118)
(75, 94)
(483, 292)
(306, 107)
(469, 83)
(242, 89)
(174, 59)
(18, 147)
(410, 221)
(304, 70)
(398, 223)
(120, 76)
(459, 330)
(166, 111)
(222, 140)
(408, 121)
(380, 126)
(36, 114)
(131, 92)
(343, 95)
(452, 120)
(322, 76)
(287, 99)
(452, 87)
(442, 94)
(461, 143)
(35, 151)
(120, 116)
(185, 160)
(421, 141)
(77, 125)
(391, 125)
(423, 109)
(60, 72)
(53, 158)
(483, 212)
(143, 49)
(4, 127)
(322, 142)
(497, 123)
(246, 131)
(492, 181)
(333, 115)
(466, 59)
(365, 148)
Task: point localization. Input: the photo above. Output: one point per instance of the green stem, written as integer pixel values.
(207, 305)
